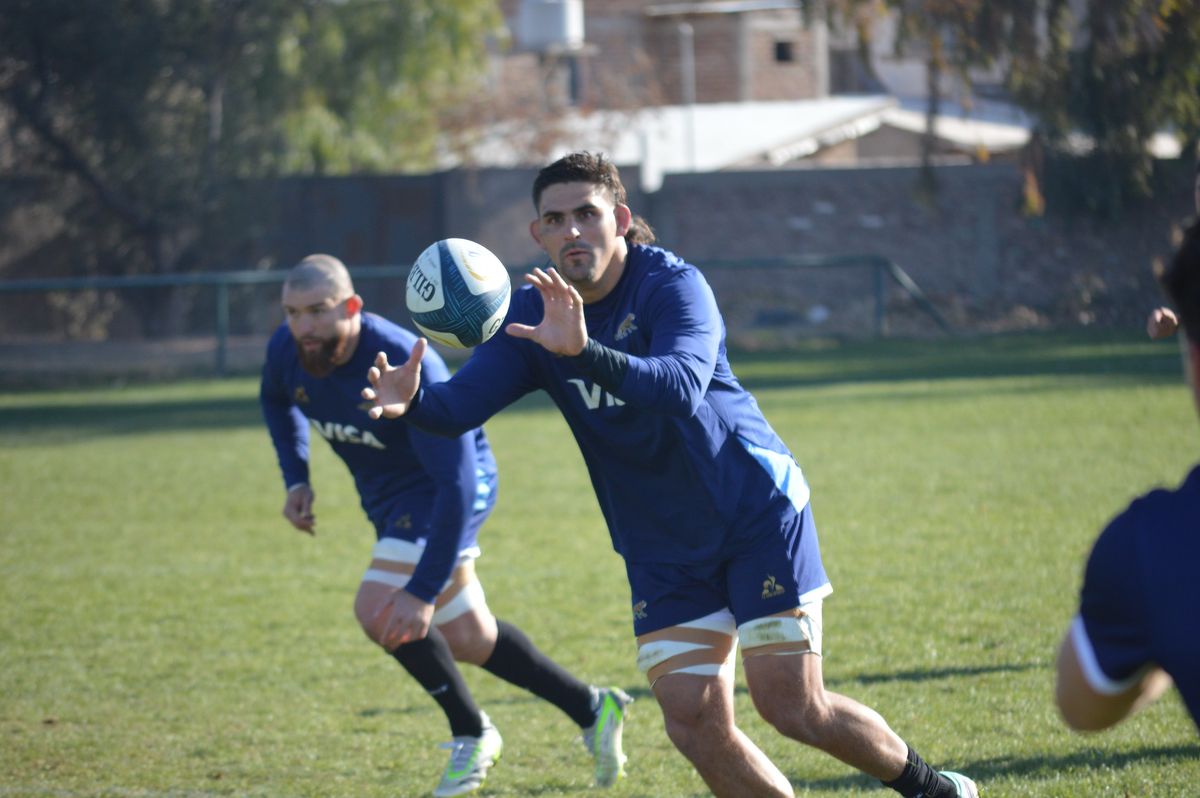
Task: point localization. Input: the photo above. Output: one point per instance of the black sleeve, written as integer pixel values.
(606, 366)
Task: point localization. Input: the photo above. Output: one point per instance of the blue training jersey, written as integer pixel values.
(1140, 601)
(412, 485)
(684, 465)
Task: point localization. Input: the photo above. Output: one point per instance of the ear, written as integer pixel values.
(354, 305)
(533, 231)
(624, 219)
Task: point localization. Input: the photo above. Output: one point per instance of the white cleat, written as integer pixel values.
(470, 758)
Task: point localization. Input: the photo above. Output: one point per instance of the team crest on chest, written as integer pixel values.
(300, 396)
(625, 328)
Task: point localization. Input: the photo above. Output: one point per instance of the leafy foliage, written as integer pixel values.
(148, 116)
(1102, 77)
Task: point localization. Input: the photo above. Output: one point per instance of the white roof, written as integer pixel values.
(720, 7)
(710, 137)
(691, 138)
(994, 126)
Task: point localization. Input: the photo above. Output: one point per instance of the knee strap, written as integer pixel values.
(796, 631)
(704, 646)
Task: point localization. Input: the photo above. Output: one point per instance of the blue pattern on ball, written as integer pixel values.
(463, 313)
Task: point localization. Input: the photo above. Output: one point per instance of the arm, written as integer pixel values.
(1105, 669)
(450, 462)
(1086, 708)
(685, 335)
(289, 435)
(495, 376)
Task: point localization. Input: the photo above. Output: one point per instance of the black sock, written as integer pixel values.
(921, 781)
(517, 661)
(432, 665)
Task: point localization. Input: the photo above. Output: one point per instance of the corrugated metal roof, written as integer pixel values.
(727, 7)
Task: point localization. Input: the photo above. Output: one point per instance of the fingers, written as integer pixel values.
(304, 522)
(401, 630)
(520, 330)
(551, 285)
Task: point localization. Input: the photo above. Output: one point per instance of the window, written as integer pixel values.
(784, 53)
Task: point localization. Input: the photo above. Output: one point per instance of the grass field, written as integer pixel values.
(163, 632)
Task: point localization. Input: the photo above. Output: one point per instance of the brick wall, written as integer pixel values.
(634, 59)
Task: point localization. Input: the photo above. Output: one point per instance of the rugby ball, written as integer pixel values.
(457, 293)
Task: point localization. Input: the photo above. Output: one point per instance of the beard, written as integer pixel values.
(578, 267)
(321, 362)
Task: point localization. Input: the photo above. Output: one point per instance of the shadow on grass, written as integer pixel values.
(642, 691)
(933, 674)
(1025, 768)
(137, 417)
(33, 421)
(1118, 360)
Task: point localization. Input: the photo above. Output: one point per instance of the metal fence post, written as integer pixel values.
(877, 272)
(222, 326)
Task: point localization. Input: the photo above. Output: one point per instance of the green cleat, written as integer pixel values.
(603, 738)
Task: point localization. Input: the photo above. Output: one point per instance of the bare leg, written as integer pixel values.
(698, 713)
(789, 692)
(472, 635)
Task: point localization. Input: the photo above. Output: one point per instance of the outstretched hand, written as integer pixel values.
(562, 329)
(393, 387)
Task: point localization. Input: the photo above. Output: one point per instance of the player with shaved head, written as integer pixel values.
(427, 497)
(702, 498)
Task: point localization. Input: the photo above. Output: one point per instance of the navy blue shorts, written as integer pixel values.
(781, 572)
(410, 520)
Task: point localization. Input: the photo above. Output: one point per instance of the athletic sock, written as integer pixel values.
(919, 780)
(517, 661)
(430, 662)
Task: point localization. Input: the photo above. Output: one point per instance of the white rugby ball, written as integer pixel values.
(457, 293)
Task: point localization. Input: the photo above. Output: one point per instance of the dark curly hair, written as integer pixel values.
(585, 167)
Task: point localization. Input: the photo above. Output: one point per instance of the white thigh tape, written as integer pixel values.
(795, 633)
(704, 646)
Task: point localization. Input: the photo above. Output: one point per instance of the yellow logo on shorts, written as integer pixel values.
(639, 610)
(771, 588)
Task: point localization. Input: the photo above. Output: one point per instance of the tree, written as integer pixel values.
(1115, 77)
(1112, 77)
(149, 116)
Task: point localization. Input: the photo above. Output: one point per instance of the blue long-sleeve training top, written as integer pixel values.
(684, 465)
(413, 485)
